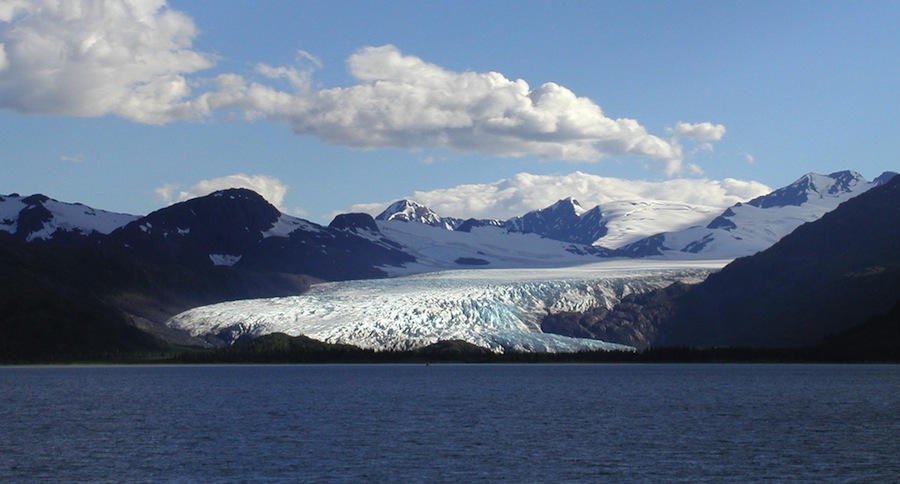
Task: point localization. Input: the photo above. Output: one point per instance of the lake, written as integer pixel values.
(450, 423)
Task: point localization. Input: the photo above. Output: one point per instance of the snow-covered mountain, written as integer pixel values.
(486, 246)
(747, 228)
(410, 211)
(497, 309)
(40, 218)
(565, 220)
(607, 226)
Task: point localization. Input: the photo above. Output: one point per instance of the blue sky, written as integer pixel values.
(331, 106)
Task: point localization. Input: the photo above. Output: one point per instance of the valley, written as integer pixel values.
(226, 268)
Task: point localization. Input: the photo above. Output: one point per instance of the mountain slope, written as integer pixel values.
(747, 228)
(38, 218)
(823, 278)
(61, 302)
(488, 246)
(237, 227)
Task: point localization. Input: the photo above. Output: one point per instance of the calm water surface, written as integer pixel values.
(450, 423)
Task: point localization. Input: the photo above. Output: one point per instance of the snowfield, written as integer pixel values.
(499, 309)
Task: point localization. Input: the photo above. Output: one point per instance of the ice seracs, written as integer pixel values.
(496, 309)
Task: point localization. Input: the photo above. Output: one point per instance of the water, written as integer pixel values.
(450, 423)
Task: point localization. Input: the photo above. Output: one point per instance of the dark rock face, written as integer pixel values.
(565, 221)
(32, 218)
(354, 222)
(469, 224)
(632, 322)
(647, 247)
(723, 221)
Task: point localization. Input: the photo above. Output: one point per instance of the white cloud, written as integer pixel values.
(705, 131)
(165, 192)
(97, 57)
(403, 101)
(76, 158)
(525, 192)
(10, 9)
(271, 188)
(134, 59)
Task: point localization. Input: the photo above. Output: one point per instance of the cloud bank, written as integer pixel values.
(134, 59)
(524, 192)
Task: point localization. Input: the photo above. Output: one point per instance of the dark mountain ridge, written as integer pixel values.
(823, 278)
(565, 220)
(238, 227)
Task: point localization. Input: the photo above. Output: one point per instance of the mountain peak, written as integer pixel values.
(810, 185)
(885, 177)
(565, 220)
(410, 211)
(214, 227)
(354, 222)
(567, 204)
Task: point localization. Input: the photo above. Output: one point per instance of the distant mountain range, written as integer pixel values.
(65, 261)
(238, 227)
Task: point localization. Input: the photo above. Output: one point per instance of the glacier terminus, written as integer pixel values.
(498, 309)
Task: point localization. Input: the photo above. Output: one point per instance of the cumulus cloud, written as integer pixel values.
(91, 58)
(271, 188)
(402, 101)
(524, 192)
(134, 59)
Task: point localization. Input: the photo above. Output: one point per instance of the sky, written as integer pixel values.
(478, 109)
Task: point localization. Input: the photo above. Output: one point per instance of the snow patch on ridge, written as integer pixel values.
(224, 259)
(68, 217)
(287, 224)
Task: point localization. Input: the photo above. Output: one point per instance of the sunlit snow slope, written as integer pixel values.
(500, 309)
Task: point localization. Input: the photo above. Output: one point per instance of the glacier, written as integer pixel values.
(498, 309)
